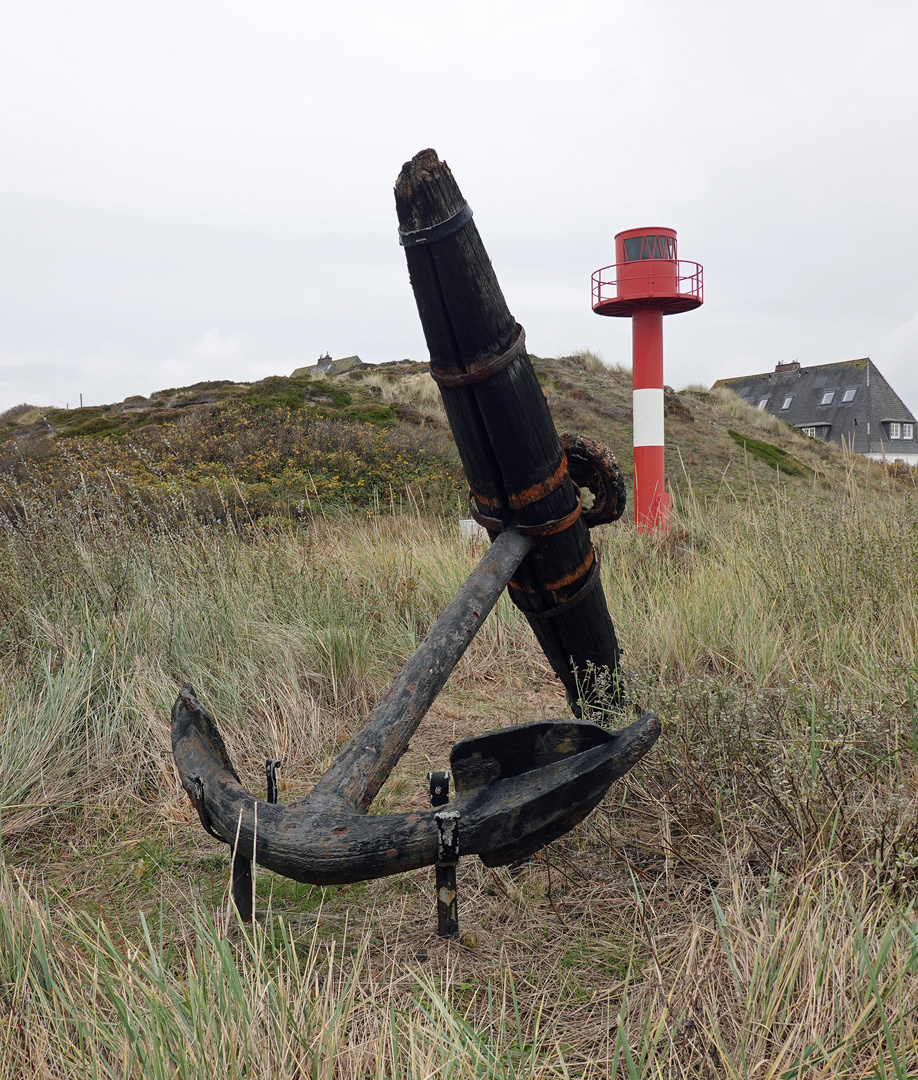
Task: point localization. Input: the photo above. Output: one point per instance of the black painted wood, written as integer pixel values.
(325, 840)
(362, 767)
(504, 431)
(519, 788)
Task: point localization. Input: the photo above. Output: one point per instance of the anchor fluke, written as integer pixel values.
(517, 789)
(535, 782)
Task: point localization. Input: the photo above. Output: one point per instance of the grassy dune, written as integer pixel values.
(741, 905)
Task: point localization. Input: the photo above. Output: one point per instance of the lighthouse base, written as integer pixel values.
(651, 501)
(657, 517)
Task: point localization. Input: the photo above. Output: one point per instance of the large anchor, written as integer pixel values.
(519, 787)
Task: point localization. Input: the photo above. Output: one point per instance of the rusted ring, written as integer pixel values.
(572, 601)
(488, 367)
(593, 466)
(489, 523)
(545, 528)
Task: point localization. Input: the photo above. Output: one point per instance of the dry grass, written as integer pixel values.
(416, 389)
(741, 905)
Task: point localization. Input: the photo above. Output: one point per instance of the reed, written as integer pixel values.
(741, 905)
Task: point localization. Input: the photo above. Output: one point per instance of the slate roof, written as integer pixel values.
(331, 367)
(856, 415)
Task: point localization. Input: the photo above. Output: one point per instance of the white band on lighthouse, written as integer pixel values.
(648, 417)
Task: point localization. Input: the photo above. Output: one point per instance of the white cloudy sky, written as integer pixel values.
(198, 189)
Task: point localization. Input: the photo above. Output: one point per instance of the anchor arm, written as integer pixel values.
(517, 789)
(363, 766)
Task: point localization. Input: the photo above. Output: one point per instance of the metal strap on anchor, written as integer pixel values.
(436, 232)
(572, 601)
(545, 528)
(490, 523)
(557, 525)
(197, 797)
(487, 368)
(271, 767)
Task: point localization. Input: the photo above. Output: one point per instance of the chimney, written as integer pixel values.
(794, 365)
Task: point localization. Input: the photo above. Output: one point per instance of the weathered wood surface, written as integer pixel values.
(361, 768)
(328, 838)
(504, 431)
(517, 788)
(324, 839)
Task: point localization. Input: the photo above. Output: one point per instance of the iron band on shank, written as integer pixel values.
(436, 232)
(487, 367)
(572, 601)
(544, 528)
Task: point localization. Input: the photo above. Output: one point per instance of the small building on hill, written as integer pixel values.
(325, 365)
(849, 404)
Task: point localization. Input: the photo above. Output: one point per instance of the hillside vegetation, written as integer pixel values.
(741, 905)
(368, 436)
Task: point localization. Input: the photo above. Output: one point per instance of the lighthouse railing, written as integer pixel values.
(689, 281)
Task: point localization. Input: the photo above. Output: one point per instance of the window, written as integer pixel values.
(811, 431)
(827, 398)
(787, 401)
(763, 402)
(895, 431)
(639, 248)
(849, 394)
(908, 431)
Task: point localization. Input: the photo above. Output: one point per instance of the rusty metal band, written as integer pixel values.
(545, 528)
(572, 601)
(575, 575)
(489, 523)
(436, 232)
(551, 528)
(493, 501)
(487, 368)
(542, 489)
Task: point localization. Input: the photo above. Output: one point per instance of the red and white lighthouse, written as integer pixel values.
(646, 282)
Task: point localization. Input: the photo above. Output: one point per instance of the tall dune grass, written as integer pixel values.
(257, 1003)
(741, 905)
(779, 592)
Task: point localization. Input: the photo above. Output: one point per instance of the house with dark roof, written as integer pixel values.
(849, 404)
(326, 366)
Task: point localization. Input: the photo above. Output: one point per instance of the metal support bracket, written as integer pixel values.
(447, 860)
(271, 768)
(447, 856)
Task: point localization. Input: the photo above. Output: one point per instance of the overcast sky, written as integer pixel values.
(200, 189)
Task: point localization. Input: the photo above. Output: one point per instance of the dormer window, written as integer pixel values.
(849, 394)
(895, 430)
(908, 431)
(828, 396)
(787, 402)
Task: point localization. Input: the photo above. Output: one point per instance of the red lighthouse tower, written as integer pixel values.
(647, 282)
